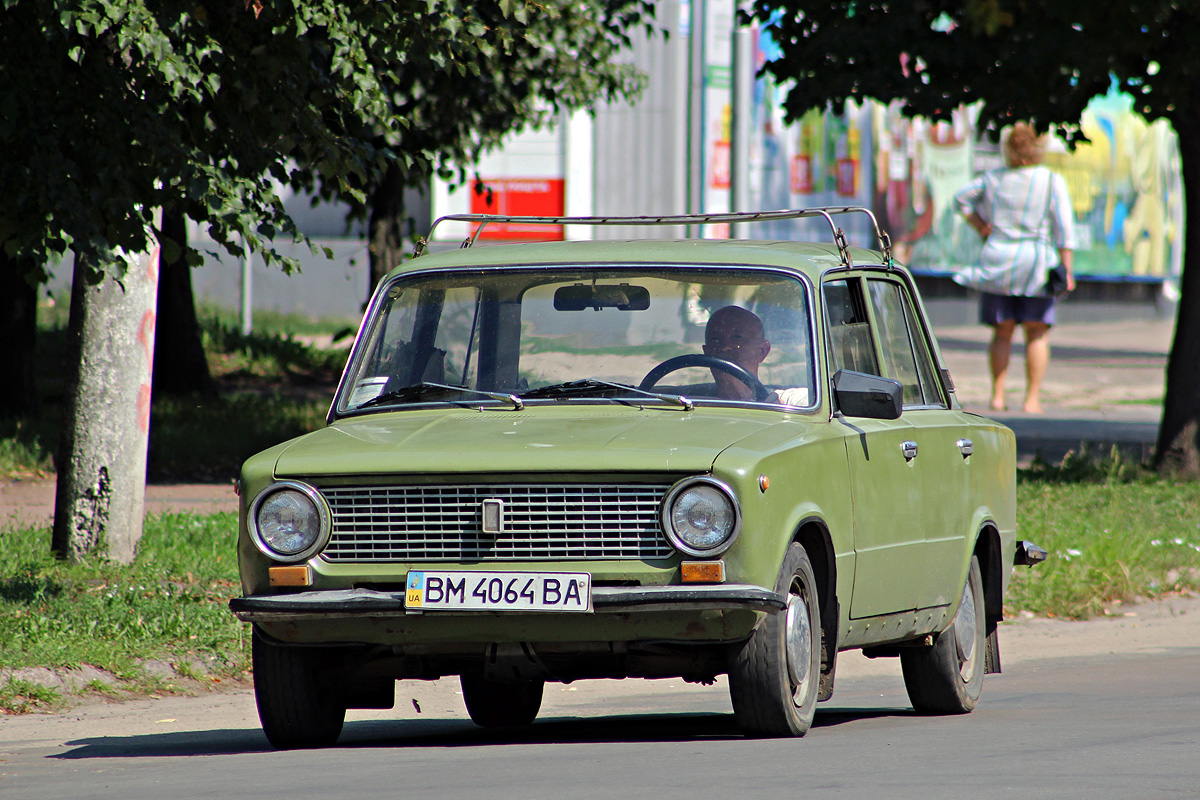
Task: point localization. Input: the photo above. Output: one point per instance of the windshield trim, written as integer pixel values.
(339, 409)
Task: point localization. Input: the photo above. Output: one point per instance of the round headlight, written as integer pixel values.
(289, 521)
(701, 517)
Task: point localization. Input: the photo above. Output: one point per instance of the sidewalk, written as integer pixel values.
(1104, 386)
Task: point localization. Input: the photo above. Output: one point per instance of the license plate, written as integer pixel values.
(499, 591)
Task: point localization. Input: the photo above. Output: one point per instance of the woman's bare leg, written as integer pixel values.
(998, 356)
(1037, 357)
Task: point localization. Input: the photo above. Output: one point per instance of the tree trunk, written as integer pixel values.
(1178, 450)
(18, 332)
(180, 367)
(386, 227)
(98, 507)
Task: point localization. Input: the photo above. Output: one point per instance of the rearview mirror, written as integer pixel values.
(870, 396)
(623, 297)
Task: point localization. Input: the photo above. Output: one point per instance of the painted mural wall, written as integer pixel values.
(1126, 184)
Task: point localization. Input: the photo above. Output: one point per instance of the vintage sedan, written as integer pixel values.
(565, 460)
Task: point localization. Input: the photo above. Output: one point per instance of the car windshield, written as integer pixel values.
(590, 334)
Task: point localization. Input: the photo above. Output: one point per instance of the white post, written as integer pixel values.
(742, 127)
(247, 292)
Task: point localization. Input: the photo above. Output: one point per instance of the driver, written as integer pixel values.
(737, 335)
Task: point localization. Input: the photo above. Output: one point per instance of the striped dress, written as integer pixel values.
(1031, 218)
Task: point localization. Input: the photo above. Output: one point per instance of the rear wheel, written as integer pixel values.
(501, 704)
(295, 709)
(774, 677)
(947, 676)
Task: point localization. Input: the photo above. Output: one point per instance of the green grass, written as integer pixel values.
(279, 323)
(1150, 401)
(22, 452)
(1115, 532)
(169, 605)
(274, 387)
(19, 696)
(182, 441)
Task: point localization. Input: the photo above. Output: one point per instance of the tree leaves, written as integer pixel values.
(116, 107)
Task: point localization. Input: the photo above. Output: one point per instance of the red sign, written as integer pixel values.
(525, 197)
(847, 177)
(720, 177)
(802, 182)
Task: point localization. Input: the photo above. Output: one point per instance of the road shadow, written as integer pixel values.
(451, 733)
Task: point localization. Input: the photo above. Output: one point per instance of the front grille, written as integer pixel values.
(445, 523)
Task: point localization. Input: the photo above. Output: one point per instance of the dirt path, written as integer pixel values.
(31, 501)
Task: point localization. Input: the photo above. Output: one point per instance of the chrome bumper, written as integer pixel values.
(605, 599)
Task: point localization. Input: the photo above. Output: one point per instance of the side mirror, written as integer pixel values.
(870, 396)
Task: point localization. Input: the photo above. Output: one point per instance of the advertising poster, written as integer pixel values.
(1126, 190)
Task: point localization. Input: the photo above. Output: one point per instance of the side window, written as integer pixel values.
(905, 354)
(849, 328)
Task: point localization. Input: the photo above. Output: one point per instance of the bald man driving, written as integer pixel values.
(737, 335)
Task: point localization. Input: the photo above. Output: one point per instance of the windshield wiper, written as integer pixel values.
(588, 386)
(426, 388)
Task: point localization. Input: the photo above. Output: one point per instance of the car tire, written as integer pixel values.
(775, 676)
(296, 711)
(501, 704)
(946, 677)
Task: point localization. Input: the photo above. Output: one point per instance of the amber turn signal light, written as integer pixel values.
(703, 571)
(290, 576)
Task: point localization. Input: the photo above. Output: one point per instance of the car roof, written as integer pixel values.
(809, 258)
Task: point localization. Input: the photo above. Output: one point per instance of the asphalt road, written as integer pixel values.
(1104, 709)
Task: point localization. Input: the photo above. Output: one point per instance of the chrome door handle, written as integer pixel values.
(910, 449)
(966, 447)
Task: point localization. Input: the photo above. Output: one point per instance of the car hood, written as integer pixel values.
(534, 440)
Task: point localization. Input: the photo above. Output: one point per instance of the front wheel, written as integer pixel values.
(947, 676)
(295, 709)
(774, 677)
(501, 704)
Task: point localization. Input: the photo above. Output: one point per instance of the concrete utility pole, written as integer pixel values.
(743, 119)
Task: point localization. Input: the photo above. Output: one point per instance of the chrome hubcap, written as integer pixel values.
(964, 630)
(799, 646)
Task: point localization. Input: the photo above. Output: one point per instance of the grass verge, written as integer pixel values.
(160, 625)
(1115, 531)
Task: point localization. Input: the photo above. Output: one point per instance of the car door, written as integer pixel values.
(889, 540)
(940, 456)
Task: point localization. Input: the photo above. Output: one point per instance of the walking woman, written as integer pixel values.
(1023, 213)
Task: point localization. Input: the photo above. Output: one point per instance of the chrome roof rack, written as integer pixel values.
(737, 217)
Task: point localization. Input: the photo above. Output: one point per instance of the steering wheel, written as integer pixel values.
(761, 393)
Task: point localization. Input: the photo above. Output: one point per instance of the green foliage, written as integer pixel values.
(21, 451)
(193, 440)
(937, 56)
(169, 605)
(116, 108)
(1085, 466)
(268, 355)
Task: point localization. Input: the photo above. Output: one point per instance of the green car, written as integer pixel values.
(611, 459)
